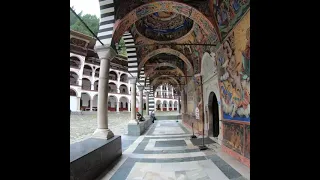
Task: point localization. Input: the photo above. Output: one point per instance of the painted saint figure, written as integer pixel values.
(246, 57)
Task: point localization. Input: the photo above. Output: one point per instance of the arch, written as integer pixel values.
(124, 78)
(74, 78)
(161, 6)
(124, 101)
(85, 101)
(170, 105)
(86, 84)
(113, 75)
(96, 72)
(123, 89)
(87, 70)
(75, 62)
(112, 87)
(96, 85)
(213, 115)
(112, 103)
(167, 51)
(73, 92)
(151, 69)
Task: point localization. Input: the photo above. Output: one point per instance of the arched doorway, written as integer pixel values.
(213, 115)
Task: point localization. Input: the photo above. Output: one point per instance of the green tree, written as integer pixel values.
(122, 49)
(92, 22)
(73, 18)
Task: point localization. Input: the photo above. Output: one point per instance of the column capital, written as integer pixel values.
(147, 93)
(132, 80)
(105, 52)
(141, 88)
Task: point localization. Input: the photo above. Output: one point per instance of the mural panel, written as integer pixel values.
(233, 136)
(228, 13)
(234, 72)
(247, 142)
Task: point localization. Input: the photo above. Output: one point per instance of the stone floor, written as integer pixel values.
(166, 152)
(82, 126)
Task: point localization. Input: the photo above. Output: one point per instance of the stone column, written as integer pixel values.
(106, 54)
(91, 102)
(178, 105)
(161, 106)
(147, 102)
(161, 92)
(118, 106)
(92, 87)
(129, 106)
(141, 99)
(78, 104)
(133, 101)
(184, 102)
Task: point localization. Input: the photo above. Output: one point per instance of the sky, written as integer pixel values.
(87, 6)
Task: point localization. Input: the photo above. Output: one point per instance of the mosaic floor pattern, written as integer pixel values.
(165, 152)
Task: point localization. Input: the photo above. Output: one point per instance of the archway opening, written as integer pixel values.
(87, 70)
(112, 88)
(123, 104)
(85, 102)
(123, 89)
(112, 103)
(213, 115)
(73, 78)
(113, 75)
(124, 78)
(86, 84)
(75, 62)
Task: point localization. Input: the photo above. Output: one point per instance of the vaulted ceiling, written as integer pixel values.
(164, 32)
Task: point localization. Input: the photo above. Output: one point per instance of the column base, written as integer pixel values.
(133, 121)
(103, 134)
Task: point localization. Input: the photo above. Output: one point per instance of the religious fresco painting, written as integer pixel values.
(228, 13)
(233, 60)
(233, 136)
(247, 142)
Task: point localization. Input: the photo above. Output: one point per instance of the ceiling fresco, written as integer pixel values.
(172, 26)
(166, 33)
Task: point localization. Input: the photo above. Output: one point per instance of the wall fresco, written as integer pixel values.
(228, 13)
(233, 60)
(233, 136)
(247, 142)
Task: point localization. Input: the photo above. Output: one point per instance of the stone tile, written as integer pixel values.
(181, 175)
(197, 174)
(170, 143)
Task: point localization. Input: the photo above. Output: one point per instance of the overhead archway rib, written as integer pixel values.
(167, 51)
(164, 6)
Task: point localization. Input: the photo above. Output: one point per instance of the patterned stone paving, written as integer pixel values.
(160, 154)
